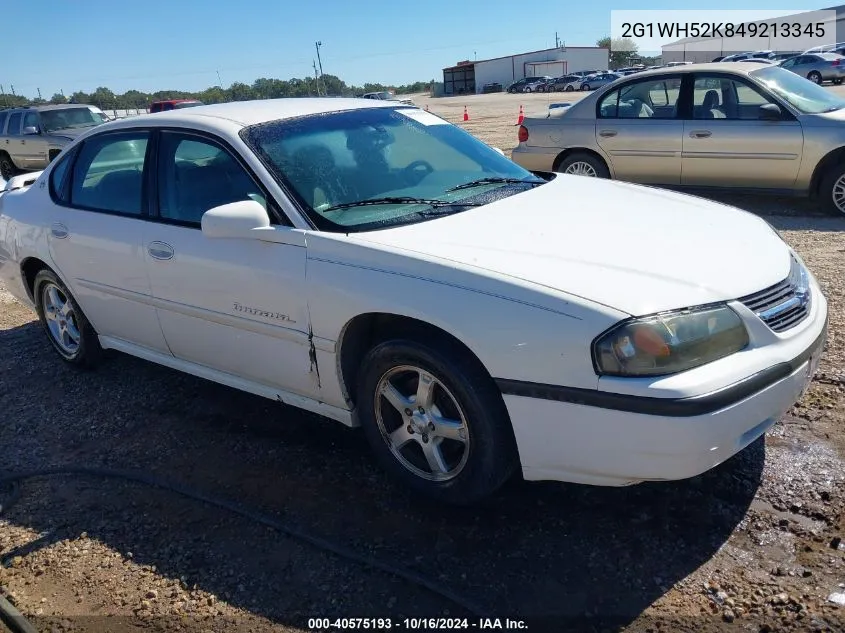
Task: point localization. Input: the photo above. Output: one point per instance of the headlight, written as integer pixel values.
(669, 343)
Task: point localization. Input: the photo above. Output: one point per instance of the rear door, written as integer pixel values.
(727, 144)
(638, 128)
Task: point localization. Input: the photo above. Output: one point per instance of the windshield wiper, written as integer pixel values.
(398, 200)
(494, 180)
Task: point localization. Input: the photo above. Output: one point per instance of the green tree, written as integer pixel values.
(58, 98)
(622, 49)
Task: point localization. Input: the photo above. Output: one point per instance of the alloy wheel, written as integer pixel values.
(581, 168)
(422, 423)
(61, 320)
(839, 193)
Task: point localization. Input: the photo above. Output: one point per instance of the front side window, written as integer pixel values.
(372, 167)
(109, 173)
(719, 97)
(195, 175)
(30, 119)
(645, 99)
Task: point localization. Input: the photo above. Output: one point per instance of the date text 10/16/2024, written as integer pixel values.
(412, 624)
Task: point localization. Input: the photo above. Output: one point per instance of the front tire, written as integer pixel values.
(570, 88)
(67, 328)
(832, 191)
(7, 167)
(436, 420)
(585, 87)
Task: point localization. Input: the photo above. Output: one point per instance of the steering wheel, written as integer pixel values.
(418, 170)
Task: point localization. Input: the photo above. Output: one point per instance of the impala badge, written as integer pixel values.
(267, 314)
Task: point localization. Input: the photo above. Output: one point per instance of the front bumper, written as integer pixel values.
(626, 440)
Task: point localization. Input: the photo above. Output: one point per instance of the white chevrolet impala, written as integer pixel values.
(372, 263)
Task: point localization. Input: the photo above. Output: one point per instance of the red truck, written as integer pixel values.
(173, 104)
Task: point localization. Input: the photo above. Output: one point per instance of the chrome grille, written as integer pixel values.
(785, 304)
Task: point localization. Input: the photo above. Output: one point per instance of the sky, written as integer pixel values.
(152, 45)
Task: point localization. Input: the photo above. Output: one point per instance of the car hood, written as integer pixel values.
(72, 133)
(634, 248)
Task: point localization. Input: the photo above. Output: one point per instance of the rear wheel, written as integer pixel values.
(67, 328)
(585, 87)
(436, 420)
(815, 77)
(837, 82)
(832, 190)
(526, 89)
(570, 88)
(583, 164)
(7, 167)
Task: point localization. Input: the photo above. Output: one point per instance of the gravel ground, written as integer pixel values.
(754, 545)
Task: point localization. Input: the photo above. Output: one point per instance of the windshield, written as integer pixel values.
(69, 118)
(336, 162)
(802, 94)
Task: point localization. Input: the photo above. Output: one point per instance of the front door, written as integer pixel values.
(33, 146)
(637, 127)
(727, 144)
(94, 236)
(233, 305)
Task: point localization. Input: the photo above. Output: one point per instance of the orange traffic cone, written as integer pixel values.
(466, 114)
(521, 116)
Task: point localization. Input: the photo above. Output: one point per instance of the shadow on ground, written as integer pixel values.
(565, 557)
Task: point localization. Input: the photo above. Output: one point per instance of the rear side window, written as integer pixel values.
(59, 190)
(109, 173)
(14, 124)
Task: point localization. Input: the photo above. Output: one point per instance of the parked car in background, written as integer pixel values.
(370, 262)
(725, 126)
(757, 60)
(173, 104)
(535, 83)
(597, 81)
(547, 85)
(386, 95)
(587, 73)
(520, 85)
(673, 64)
(32, 136)
(817, 67)
(567, 83)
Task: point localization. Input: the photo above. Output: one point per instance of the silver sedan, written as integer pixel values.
(723, 125)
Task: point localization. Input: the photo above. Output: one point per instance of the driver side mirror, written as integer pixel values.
(770, 112)
(30, 130)
(242, 219)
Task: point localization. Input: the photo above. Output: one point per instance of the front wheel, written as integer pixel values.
(67, 328)
(7, 167)
(436, 420)
(526, 89)
(585, 87)
(570, 88)
(837, 82)
(815, 77)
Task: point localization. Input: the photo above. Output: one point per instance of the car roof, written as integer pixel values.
(259, 111)
(697, 68)
(63, 106)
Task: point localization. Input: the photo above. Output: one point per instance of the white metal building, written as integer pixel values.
(698, 49)
(471, 76)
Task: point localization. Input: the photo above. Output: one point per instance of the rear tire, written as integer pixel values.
(583, 164)
(67, 328)
(837, 82)
(585, 87)
(443, 431)
(7, 167)
(815, 77)
(570, 88)
(832, 191)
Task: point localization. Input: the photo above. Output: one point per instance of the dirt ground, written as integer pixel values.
(754, 545)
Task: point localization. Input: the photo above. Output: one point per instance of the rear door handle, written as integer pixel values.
(700, 133)
(607, 133)
(160, 250)
(59, 231)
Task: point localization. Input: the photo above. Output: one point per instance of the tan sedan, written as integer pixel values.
(723, 125)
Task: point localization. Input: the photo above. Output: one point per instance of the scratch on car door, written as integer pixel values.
(312, 354)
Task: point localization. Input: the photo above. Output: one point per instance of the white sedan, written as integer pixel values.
(372, 263)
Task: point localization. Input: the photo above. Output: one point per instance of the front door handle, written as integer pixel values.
(160, 250)
(700, 133)
(607, 133)
(59, 230)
